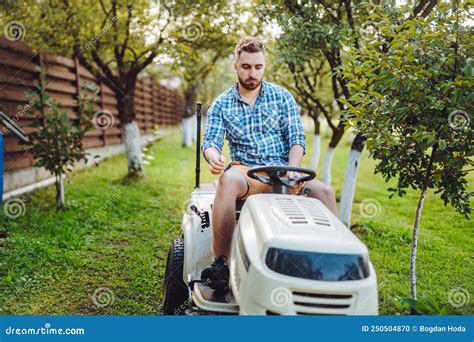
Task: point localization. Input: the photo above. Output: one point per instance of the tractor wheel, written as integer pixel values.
(175, 295)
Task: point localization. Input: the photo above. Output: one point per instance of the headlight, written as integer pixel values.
(318, 266)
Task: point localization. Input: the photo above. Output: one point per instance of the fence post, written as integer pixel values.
(144, 106)
(102, 108)
(78, 77)
(41, 84)
(153, 106)
(1, 168)
(78, 80)
(160, 108)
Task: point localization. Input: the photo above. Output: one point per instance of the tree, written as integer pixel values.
(320, 28)
(115, 40)
(314, 31)
(412, 89)
(207, 40)
(57, 143)
(306, 79)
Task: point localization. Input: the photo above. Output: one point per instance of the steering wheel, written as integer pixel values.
(276, 173)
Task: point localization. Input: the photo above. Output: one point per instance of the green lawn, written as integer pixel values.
(116, 236)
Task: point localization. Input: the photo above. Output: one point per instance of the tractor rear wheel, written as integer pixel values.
(175, 297)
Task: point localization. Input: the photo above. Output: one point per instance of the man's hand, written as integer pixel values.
(293, 174)
(216, 163)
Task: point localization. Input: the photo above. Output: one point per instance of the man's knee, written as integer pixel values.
(232, 182)
(321, 190)
(328, 191)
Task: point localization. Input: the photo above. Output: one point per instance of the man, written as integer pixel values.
(263, 127)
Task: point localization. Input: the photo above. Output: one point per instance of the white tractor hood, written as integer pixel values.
(296, 223)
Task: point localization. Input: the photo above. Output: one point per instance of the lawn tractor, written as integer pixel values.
(290, 255)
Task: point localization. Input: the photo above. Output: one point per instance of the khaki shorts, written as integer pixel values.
(257, 187)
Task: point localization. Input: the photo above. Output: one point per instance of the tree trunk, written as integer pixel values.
(316, 145)
(350, 180)
(335, 138)
(60, 198)
(189, 127)
(194, 128)
(351, 136)
(133, 149)
(414, 245)
(131, 131)
(327, 166)
(327, 131)
(416, 226)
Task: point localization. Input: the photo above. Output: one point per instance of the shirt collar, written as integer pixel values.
(235, 91)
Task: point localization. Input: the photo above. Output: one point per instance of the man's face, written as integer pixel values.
(250, 67)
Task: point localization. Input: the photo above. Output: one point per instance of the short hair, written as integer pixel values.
(248, 44)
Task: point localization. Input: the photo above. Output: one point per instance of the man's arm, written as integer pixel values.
(294, 131)
(295, 155)
(213, 140)
(215, 160)
(294, 134)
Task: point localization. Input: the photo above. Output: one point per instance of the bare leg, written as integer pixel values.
(324, 193)
(232, 185)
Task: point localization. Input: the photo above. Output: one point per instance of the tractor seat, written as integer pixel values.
(238, 207)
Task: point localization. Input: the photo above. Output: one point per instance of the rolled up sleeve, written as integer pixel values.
(293, 125)
(214, 135)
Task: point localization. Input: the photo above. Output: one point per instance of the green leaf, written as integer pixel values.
(441, 144)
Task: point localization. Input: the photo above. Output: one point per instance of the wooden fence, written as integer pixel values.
(154, 104)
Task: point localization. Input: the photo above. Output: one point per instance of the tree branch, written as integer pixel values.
(350, 19)
(127, 31)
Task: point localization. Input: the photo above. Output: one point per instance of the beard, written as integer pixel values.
(250, 83)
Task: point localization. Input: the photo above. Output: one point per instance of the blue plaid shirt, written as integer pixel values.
(262, 135)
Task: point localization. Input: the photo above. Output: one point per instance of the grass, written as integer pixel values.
(110, 243)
